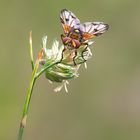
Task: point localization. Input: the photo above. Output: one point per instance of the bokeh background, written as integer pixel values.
(102, 104)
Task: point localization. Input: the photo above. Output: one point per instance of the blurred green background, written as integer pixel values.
(102, 104)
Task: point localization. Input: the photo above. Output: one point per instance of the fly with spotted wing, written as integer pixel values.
(77, 34)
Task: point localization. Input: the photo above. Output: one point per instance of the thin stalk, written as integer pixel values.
(27, 103)
(29, 94)
(45, 68)
(34, 77)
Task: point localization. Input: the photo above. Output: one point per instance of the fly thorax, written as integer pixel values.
(75, 34)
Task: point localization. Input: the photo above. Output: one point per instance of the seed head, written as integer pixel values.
(66, 62)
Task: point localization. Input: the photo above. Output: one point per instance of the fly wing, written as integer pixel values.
(92, 29)
(68, 20)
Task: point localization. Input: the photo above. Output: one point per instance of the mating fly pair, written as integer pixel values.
(77, 34)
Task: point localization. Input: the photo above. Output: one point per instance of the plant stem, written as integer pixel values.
(27, 103)
(45, 68)
(34, 77)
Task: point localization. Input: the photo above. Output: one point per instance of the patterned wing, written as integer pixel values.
(68, 20)
(92, 29)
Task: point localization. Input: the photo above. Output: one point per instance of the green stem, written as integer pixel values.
(35, 75)
(47, 66)
(27, 103)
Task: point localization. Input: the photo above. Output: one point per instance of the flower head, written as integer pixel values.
(66, 62)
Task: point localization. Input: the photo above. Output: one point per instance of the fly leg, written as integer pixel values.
(75, 55)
